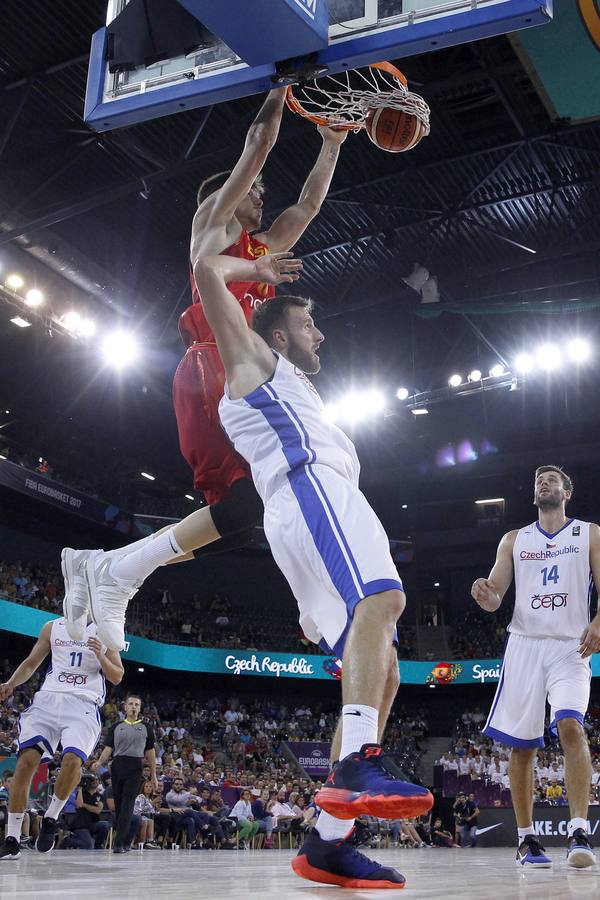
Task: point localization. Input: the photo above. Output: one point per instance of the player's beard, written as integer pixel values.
(551, 500)
(305, 360)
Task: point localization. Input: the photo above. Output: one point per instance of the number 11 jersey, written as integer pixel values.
(553, 583)
(74, 667)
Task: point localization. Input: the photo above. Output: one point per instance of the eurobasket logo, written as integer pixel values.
(333, 667)
(444, 673)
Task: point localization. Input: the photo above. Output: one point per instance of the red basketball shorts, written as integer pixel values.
(197, 389)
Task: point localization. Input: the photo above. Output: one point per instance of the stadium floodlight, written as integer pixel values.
(120, 349)
(549, 357)
(355, 407)
(420, 411)
(497, 371)
(475, 375)
(402, 393)
(71, 321)
(148, 476)
(14, 282)
(188, 497)
(524, 363)
(87, 328)
(455, 380)
(20, 322)
(579, 350)
(34, 298)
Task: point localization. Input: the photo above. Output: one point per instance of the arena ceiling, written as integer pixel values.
(499, 202)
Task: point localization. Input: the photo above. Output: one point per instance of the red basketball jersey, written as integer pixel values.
(193, 326)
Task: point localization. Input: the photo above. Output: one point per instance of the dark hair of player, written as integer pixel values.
(271, 315)
(566, 480)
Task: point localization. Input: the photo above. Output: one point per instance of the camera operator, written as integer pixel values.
(466, 815)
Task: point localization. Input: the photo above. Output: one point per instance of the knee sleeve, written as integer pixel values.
(240, 511)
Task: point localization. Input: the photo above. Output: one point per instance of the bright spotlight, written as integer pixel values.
(579, 350)
(34, 298)
(355, 407)
(549, 357)
(87, 327)
(402, 393)
(497, 370)
(524, 363)
(475, 375)
(71, 320)
(420, 411)
(20, 322)
(120, 349)
(148, 476)
(14, 282)
(455, 381)
(188, 497)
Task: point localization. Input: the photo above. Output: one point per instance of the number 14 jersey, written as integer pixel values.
(553, 583)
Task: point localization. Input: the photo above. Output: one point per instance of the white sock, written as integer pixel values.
(332, 829)
(130, 548)
(359, 726)
(55, 807)
(137, 565)
(15, 823)
(523, 832)
(576, 823)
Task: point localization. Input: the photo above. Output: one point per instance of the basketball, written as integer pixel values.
(393, 130)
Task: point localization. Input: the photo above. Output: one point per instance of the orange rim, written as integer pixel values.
(295, 106)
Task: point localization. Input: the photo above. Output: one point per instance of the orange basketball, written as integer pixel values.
(393, 130)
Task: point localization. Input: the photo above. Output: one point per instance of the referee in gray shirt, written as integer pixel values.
(130, 743)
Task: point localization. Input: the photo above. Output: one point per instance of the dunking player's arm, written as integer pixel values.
(247, 359)
(214, 226)
(488, 592)
(289, 226)
(110, 662)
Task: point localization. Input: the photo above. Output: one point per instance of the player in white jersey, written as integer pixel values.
(65, 711)
(547, 656)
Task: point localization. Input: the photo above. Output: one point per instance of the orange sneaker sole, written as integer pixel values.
(303, 868)
(347, 804)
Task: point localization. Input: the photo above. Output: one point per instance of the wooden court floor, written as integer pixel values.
(244, 875)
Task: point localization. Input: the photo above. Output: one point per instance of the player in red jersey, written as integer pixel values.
(228, 221)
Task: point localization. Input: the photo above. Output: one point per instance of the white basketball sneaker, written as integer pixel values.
(109, 596)
(76, 604)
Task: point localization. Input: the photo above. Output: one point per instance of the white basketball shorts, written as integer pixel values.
(332, 549)
(535, 670)
(55, 718)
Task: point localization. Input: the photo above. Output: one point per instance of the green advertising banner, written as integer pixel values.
(28, 621)
(563, 59)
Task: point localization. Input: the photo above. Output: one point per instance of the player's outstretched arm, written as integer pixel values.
(25, 670)
(217, 211)
(488, 592)
(246, 358)
(590, 639)
(293, 222)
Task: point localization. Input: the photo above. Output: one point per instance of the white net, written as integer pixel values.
(346, 98)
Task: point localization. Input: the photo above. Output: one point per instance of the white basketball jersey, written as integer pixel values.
(74, 668)
(281, 426)
(552, 581)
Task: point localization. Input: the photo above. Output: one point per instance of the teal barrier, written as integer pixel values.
(28, 621)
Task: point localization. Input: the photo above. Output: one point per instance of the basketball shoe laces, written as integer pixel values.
(357, 862)
(383, 767)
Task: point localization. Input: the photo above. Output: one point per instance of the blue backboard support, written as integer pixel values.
(421, 26)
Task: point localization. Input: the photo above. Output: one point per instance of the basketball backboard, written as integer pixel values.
(231, 48)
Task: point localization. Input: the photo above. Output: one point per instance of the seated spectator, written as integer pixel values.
(145, 809)
(439, 836)
(264, 819)
(243, 815)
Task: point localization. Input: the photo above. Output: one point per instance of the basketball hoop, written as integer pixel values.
(344, 100)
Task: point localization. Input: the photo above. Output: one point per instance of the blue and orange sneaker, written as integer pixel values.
(338, 862)
(367, 783)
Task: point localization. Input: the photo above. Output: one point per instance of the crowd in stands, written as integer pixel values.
(478, 635)
(199, 620)
(485, 761)
(224, 771)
